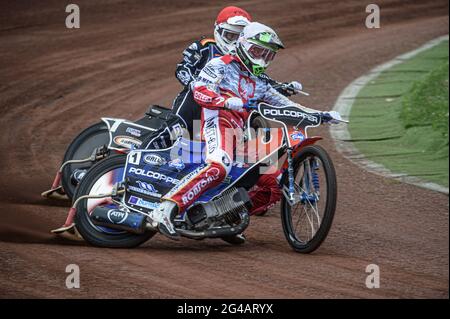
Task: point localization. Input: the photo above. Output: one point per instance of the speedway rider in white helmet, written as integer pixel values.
(228, 25)
(222, 88)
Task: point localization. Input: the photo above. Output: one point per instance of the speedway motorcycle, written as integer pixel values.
(115, 201)
(113, 136)
(110, 136)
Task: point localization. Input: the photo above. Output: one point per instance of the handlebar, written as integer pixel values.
(302, 92)
(252, 104)
(326, 118)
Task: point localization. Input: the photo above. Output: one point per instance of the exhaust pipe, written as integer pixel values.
(217, 232)
(119, 219)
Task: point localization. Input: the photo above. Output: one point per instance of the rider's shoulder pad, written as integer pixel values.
(207, 41)
(194, 46)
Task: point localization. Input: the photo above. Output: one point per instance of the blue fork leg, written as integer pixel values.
(310, 179)
(291, 175)
(315, 176)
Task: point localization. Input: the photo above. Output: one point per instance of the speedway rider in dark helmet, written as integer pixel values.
(222, 88)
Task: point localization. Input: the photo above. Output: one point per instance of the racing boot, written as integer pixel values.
(164, 215)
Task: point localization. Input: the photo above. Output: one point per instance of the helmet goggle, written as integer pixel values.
(232, 28)
(228, 35)
(261, 53)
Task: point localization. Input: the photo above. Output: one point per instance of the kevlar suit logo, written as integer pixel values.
(246, 87)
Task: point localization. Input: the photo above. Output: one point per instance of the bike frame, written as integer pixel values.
(292, 138)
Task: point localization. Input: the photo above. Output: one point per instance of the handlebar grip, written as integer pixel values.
(251, 104)
(326, 117)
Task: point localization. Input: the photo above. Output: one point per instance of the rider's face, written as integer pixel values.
(259, 52)
(230, 36)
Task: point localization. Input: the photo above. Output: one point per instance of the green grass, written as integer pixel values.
(427, 102)
(400, 119)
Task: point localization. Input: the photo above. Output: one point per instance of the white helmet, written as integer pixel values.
(257, 47)
(229, 24)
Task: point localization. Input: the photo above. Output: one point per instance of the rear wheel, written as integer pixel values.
(306, 223)
(82, 147)
(99, 180)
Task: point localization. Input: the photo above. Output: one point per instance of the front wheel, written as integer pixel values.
(100, 180)
(307, 222)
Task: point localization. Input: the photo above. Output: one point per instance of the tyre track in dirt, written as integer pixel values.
(55, 82)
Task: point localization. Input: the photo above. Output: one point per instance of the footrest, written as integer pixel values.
(63, 229)
(55, 193)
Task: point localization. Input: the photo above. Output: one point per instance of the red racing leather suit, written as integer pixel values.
(220, 79)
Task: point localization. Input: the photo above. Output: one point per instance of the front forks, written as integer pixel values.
(302, 196)
(289, 194)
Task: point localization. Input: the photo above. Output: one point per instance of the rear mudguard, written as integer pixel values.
(124, 134)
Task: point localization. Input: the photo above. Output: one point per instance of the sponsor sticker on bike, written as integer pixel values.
(291, 113)
(177, 164)
(154, 159)
(145, 188)
(127, 141)
(116, 216)
(176, 131)
(133, 131)
(133, 200)
(297, 136)
(154, 175)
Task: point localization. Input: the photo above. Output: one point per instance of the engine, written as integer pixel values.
(227, 208)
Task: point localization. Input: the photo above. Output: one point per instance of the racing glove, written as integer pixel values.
(331, 117)
(292, 88)
(235, 104)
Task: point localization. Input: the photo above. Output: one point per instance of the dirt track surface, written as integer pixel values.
(54, 82)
